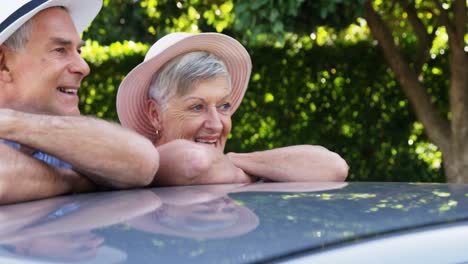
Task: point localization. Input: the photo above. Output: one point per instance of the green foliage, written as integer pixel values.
(148, 20)
(275, 17)
(325, 82)
(109, 65)
(341, 97)
(119, 20)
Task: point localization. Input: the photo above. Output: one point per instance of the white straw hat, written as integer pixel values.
(132, 95)
(14, 13)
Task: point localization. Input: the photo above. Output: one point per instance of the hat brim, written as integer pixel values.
(245, 222)
(81, 12)
(132, 96)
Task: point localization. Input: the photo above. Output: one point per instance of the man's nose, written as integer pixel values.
(79, 65)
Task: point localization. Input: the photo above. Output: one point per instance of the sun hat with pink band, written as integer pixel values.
(132, 96)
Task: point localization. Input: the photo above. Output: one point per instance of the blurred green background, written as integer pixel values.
(318, 77)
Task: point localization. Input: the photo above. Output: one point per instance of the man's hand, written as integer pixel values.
(76, 182)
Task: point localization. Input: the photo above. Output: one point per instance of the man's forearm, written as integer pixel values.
(294, 163)
(24, 178)
(105, 152)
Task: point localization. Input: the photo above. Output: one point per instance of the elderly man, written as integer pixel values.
(48, 149)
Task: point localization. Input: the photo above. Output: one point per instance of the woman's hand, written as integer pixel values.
(184, 162)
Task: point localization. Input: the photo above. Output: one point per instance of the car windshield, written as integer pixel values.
(222, 224)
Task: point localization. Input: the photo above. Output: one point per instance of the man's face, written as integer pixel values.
(47, 74)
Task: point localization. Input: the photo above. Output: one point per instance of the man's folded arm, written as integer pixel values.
(103, 151)
(24, 178)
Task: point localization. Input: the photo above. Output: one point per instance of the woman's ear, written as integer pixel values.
(5, 75)
(154, 114)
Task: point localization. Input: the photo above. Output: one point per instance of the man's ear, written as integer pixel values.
(154, 114)
(5, 75)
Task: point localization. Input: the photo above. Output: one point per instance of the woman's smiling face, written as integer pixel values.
(202, 115)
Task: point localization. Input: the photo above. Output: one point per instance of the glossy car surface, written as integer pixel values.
(262, 222)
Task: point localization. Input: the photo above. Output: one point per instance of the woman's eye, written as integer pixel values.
(197, 107)
(225, 107)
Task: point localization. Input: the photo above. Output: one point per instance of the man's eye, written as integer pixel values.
(60, 50)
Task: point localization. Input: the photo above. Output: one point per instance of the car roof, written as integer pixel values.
(232, 223)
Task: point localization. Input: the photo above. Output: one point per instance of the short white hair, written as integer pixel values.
(18, 40)
(181, 74)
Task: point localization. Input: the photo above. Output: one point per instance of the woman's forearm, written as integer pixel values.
(293, 163)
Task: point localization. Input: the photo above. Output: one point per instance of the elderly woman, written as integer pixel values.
(182, 97)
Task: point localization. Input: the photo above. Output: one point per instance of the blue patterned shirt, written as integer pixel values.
(40, 155)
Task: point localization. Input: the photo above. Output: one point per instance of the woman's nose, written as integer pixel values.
(213, 120)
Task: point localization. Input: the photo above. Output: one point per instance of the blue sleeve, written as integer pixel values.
(10, 143)
(39, 155)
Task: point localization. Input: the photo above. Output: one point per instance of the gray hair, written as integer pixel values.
(181, 74)
(18, 40)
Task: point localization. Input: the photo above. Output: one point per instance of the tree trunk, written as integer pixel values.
(450, 136)
(455, 166)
